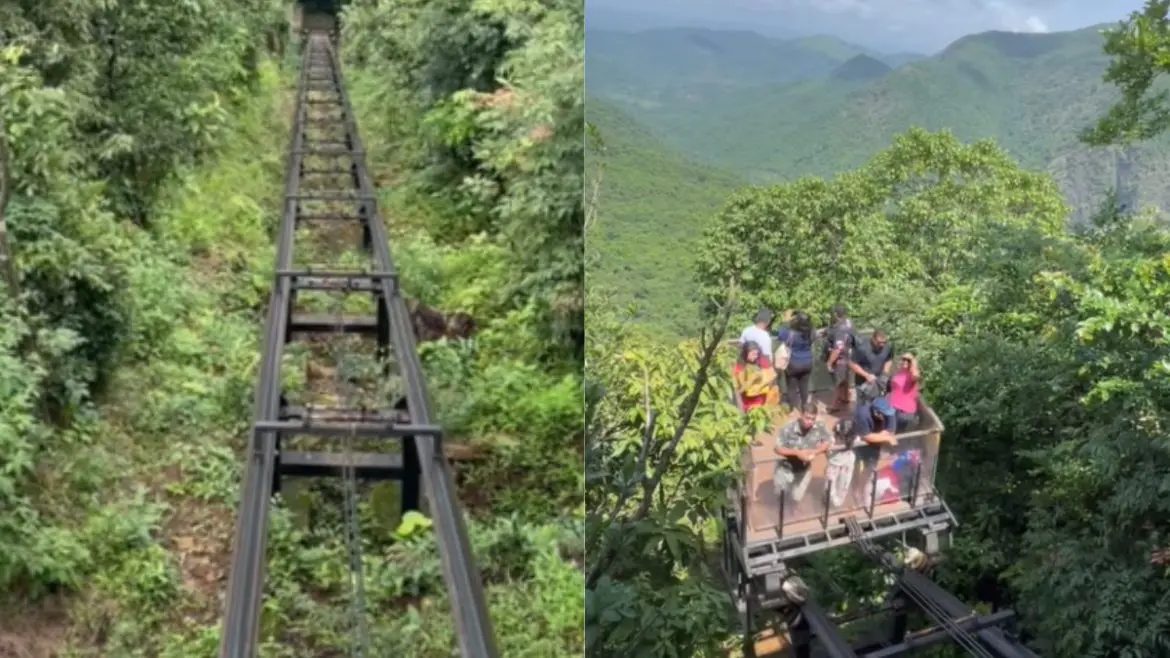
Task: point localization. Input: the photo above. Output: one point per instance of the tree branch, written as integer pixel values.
(593, 205)
(687, 410)
(7, 262)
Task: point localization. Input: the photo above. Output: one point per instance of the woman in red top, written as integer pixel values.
(755, 378)
(904, 393)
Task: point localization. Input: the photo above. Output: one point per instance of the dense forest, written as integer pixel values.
(655, 205)
(142, 148)
(1031, 93)
(1044, 350)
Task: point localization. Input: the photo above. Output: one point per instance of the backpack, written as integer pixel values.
(784, 352)
(827, 347)
(870, 391)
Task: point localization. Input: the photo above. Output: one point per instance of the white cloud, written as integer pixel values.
(861, 8)
(1035, 24)
(1012, 18)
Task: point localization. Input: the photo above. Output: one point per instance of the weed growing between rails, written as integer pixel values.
(136, 522)
(520, 407)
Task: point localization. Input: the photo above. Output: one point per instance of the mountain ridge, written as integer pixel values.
(861, 68)
(649, 61)
(1032, 93)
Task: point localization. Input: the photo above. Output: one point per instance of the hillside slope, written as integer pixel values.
(653, 204)
(634, 67)
(1032, 93)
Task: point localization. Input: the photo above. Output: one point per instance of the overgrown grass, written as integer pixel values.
(138, 522)
(175, 415)
(496, 390)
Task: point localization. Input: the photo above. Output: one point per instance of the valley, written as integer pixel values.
(821, 110)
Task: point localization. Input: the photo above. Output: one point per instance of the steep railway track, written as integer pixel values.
(329, 189)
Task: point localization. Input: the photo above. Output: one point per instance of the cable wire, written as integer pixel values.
(352, 518)
(922, 599)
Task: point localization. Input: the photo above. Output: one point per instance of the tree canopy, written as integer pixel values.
(1044, 351)
(1140, 52)
(142, 148)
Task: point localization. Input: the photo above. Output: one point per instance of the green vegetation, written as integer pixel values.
(652, 207)
(1032, 93)
(637, 68)
(121, 362)
(1044, 350)
(487, 201)
(143, 199)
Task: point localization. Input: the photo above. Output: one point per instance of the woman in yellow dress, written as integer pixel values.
(755, 378)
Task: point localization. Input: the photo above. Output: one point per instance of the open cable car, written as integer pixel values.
(887, 495)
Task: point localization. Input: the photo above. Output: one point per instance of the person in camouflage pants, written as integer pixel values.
(799, 443)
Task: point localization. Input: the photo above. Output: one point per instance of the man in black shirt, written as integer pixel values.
(871, 365)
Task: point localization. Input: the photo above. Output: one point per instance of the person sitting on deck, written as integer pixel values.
(904, 393)
(840, 345)
(871, 365)
(798, 339)
(799, 442)
(755, 379)
(875, 423)
(872, 427)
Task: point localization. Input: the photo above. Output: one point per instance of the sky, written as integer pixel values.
(924, 26)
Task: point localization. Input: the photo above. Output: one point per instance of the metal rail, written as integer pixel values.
(410, 423)
(945, 609)
(814, 622)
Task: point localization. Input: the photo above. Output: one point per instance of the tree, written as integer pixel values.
(918, 214)
(1140, 48)
(662, 446)
(1044, 353)
(497, 88)
(7, 258)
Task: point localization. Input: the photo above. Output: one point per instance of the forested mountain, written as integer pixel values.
(651, 209)
(640, 65)
(1043, 349)
(142, 155)
(1032, 93)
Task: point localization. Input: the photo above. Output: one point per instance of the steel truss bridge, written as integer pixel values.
(328, 188)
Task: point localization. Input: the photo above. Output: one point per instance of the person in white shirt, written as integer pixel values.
(758, 333)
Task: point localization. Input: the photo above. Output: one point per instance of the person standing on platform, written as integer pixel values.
(758, 332)
(797, 340)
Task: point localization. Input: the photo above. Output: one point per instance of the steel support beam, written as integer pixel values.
(245, 592)
(366, 465)
(823, 628)
(274, 421)
(934, 636)
(993, 638)
(324, 323)
(472, 623)
(290, 428)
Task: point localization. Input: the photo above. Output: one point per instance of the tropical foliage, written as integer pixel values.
(1044, 351)
(143, 150)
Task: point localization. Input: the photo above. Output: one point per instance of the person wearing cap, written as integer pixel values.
(872, 427)
(758, 332)
(876, 423)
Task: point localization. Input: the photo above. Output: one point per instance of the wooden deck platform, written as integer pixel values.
(804, 517)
